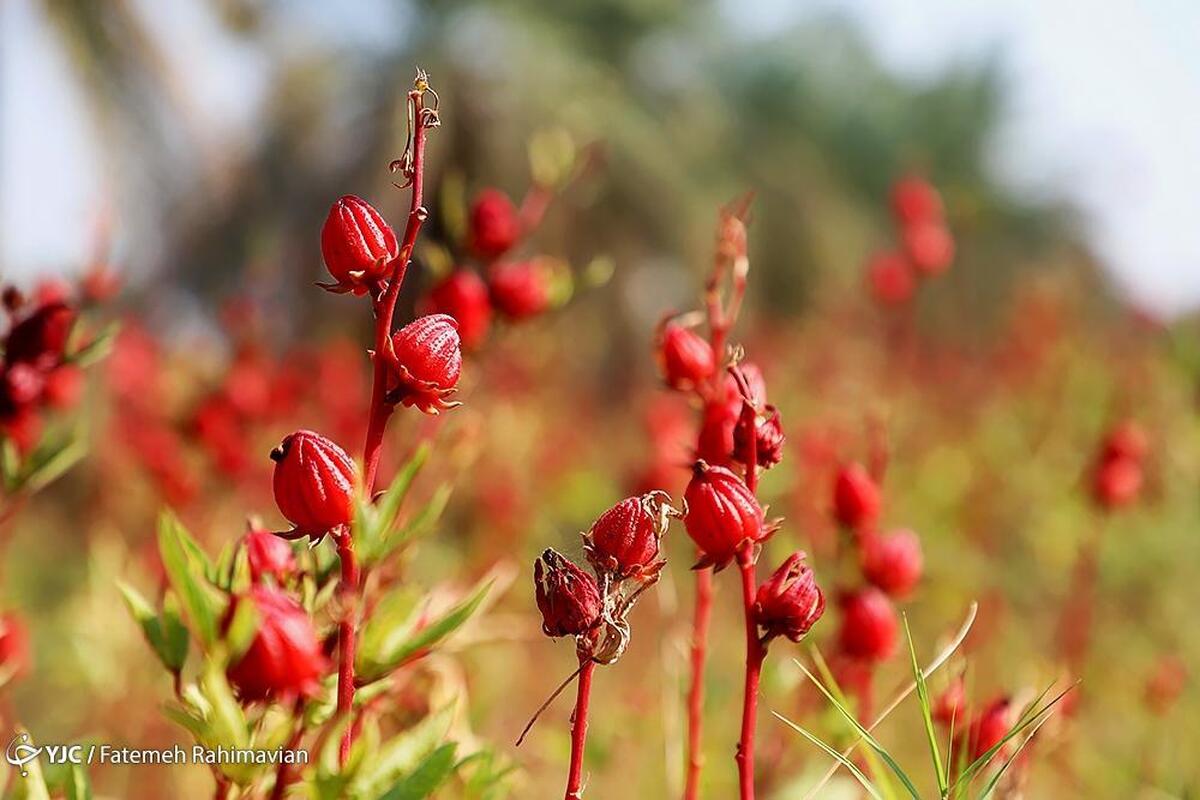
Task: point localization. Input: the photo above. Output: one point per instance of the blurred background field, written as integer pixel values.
(211, 137)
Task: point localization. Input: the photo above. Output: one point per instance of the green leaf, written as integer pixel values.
(164, 631)
(422, 782)
(387, 644)
(185, 571)
(242, 628)
(389, 505)
(403, 753)
(78, 786)
(49, 464)
(926, 711)
(98, 348)
(845, 762)
(420, 525)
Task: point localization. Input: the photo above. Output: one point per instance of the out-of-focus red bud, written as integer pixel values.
(915, 200)
(52, 291)
(357, 244)
(1125, 440)
(64, 386)
(519, 289)
(714, 443)
(892, 562)
(12, 299)
(950, 707)
(869, 625)
(23, 384)
(100, 283)
(464, 296)
(495, 224)
(890, 279)
(987, 730)
(624, 540)
(789, 603)
(929, 246)
(23, 426)
(685, 358)
(268, 554)
(1166, 684)
(41, 337)
(15, 653)
(722, 515)
(428, 363)
(767, 439)
(285, 659)
(1116, 483)
(856, 498)
(568, 597)
(314, 483)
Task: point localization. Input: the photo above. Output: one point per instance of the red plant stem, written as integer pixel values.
(755, 653)
(700, 623)
(346, 635)
(579, 724)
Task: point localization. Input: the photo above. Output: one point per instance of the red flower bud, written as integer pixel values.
(23, 385)
(869, 625)
(314, 483)
(1117, 482)
(568, 597)
(285, 659)
(789, 603)
(495, 224)
(14, 647)
(722, 514)
(986, 731)
(428, 362)
(856, 498)
(950, 707)
(519, 290)
(890, 279)
(268, 554)
(768, 439)
(40, 338)
(64, 385)
(915, 200)
(929, 247)
(892, 562)
(1125, 440)
(1163, 688)
(624, 541)
(685, 358)
(357, 244)
(464, 296)
(23, 426)
(714, 443)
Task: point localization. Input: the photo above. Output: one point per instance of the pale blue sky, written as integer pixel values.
(1105, 111)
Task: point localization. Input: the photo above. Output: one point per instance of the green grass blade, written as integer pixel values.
(845, 762)
(990, 786)
(926, 712)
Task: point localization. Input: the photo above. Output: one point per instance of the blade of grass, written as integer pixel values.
(990, 786)
(845, 762)
(926, 713)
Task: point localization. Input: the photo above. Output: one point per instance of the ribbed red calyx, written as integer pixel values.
(285, 659)
(789, 602)
(766, 438)
(428, 362)
(567, 596)
(685, 357)
(314, 483)
(722, 515)
(856, 498)
(892, 562)
(357, 244)
(624, 540)
(268, 554)
(869, 625)
(463, 295)
(495, 224)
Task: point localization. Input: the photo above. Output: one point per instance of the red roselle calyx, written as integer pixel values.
(789, 602)
(869, 625)
(268, 554)
(892, 562)
(358, 245)
(767, 439)
(14, 647)
(929, 247)
(428, 362)
(314, 483)
(856, 498)
(950, 707)
(40, 338)
(495, 224)
(520, 290)
(685, 358)
(567, 596)
(285, 658)
(714, 442)
(624, 541)
(985, 731)
(891, 279)
(723, 515)
(915, 200)
(464, 296)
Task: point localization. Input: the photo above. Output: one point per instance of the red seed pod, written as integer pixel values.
(268, 554)
(986, 731)
(768, 439)
(428, 363)
(314, 483)
(1116, 483)
(568, 597)
(1125, 440)
(856, 498)
(869, 625)
(357, 244)
(14, 647)
(714, 443)
(464, 296)
(915, 200)
(685, 359)
(64, 386)
(624, 540)
(23, 384)
(890, 279)
(892, 562)
(40, 338)
(495, 224)
(929, 247)
(789, 603)
(519, 290)
(722, 515)
(285, 659)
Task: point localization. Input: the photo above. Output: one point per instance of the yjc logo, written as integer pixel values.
(20, 752)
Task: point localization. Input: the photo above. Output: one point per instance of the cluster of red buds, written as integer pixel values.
(1118, 470)
(890, 565)
(925, 249)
